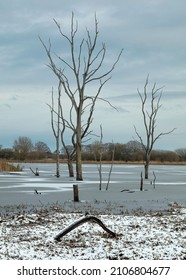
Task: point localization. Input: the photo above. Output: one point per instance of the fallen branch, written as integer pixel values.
(36, 192)
(35, 173)
(82, 221)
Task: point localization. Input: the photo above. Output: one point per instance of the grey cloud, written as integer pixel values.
(7, 105)
(14, 98)
(152, 33)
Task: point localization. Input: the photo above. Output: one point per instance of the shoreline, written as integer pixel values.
(87, 207)
(176, 163)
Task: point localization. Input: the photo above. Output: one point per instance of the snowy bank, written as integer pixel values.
(149, 236)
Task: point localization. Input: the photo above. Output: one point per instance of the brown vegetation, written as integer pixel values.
(7, 167)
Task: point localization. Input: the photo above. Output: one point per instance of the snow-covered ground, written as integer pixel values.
(150, 236)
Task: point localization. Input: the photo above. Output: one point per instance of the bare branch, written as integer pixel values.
(140, 138)
(99, 77)
(84, 65)
(163, 133)
(150, 119)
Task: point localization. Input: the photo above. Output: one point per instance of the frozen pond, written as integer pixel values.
(123, 193)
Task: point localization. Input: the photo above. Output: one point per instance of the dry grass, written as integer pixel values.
(7, 167)
(140, 162)
(30, 236)
(50, 160)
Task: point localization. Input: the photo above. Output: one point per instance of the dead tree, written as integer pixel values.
(76, 74)
(36, 173)
(99, 166)
(111, 166)
(97, 150)
(141, 182)
(82, 221)
(64, 126)
(36, 192)
(56, 126)
(154, 181)
(76, 193)
(150, 108)
(59, 126)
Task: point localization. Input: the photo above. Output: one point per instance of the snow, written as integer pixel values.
(152, 236)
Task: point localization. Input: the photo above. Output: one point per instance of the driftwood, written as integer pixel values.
(36, 192)
(35, 173)
(82, 221)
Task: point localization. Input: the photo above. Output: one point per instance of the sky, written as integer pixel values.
(152, 34)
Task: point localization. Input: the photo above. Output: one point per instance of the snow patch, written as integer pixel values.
(31, 236)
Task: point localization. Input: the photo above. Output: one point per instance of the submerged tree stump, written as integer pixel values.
(141, 182)
(36, 173)
(81, 221)
(76, 193)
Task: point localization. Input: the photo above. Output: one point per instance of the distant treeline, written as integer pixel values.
(131, 151)
(23, 149)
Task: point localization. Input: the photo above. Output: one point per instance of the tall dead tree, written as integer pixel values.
(97, 149)
(111, 166)
(150, 105)
(77, 72)
(70, 153)
(59, 127)
(55, 123)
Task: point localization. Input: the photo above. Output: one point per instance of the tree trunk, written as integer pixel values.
(141, 182)
(57, 160)
(57, 138)
(110, 171)
(79, 175)
(76, 193)
(70, 168)
(147, 163)
(154, 181)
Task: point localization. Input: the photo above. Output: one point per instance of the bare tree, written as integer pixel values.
(42, 149)
(97, 149)
(70, 153)
(76, 74)
(181, 153)
(59, 127)
(22, 147)
(150, 105)
(111, 166)
(55, 123)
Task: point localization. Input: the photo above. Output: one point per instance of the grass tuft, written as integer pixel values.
(7, 167)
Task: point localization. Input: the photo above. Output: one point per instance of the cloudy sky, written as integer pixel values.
(153, 36)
